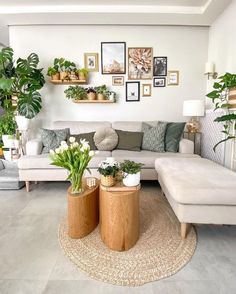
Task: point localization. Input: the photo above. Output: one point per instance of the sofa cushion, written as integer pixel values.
(131, 141)
(146, 157)
(51, 139)
(105, 139)
(153, 137)
(43, 161)
(86, 136)
(197, 181)
(173, 135)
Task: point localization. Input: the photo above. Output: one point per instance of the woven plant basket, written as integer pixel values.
(108, 181)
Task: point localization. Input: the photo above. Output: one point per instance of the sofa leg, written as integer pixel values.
(184, 230)
(27, 185)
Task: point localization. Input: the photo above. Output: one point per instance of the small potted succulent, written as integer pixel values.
(108, 169)
(82, 74)
(91, 93)
(76, 93)
(102, 92)
(131, 173)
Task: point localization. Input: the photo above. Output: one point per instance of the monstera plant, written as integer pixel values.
(22, 79)
(219, 98)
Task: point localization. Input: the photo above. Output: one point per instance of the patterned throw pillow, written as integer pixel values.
(153, 137)
(51, 139)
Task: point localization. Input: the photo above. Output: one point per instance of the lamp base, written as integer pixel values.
(193, 126)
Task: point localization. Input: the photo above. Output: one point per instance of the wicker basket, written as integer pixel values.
(108, 181)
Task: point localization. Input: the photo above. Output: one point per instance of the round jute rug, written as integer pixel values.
(159, 252)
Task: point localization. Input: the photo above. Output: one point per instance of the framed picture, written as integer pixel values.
(173, 77)
(159, 82)
(117, 81)
(91, 61)
(140, 63)
(147, 90)
(132, 91)
(159, 66)
(113, 57)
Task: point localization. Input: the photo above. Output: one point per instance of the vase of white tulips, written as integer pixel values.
(74, 157)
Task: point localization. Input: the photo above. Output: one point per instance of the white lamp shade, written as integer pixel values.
(209, 67)
(194, 108)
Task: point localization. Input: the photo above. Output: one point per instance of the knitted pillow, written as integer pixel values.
(153, 137)
(51, 139)
(105, 139)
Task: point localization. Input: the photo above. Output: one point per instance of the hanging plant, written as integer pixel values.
(219, 98)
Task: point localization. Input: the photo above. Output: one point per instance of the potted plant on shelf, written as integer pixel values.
(76, 93)
(53, 71)
(102, 92)
(223, 90)
(91, 93)
(131, 173)
(108, 169)
(66, 68)
(82, 74)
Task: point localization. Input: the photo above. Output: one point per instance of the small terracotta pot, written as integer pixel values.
(91, 96)
(82, 76)
(56, 77)
(63, 75)
(108, 181)
(101, 97)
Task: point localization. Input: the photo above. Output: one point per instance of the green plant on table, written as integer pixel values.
(22, 79)
(130, 167)
(219, 98)
(76, 93)
(108, 168)
(74, 158)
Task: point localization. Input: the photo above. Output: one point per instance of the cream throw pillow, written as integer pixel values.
(106, 139)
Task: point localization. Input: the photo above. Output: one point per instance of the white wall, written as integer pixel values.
(4, 35)
(185, 47)
(222, 50)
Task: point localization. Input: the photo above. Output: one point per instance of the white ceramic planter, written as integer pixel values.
(22, 122)
(131, 180)
(7, 141)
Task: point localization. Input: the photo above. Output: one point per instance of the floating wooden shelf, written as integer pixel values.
(93, 101)
(70, 82)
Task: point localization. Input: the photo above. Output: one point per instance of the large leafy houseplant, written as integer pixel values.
(75, 158)
(219, 98)
(22, 79)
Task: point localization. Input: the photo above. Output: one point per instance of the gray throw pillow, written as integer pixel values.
(153, 137)
(105, 139)
(173, 135)
(131, 141)
(51, 139)
(86, 136)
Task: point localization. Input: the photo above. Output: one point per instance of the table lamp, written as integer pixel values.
(193, 109)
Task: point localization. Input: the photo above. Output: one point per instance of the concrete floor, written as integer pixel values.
(31, 260)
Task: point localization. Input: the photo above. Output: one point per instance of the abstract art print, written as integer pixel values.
(160, 66)
(113, 57)
(140, 63)
(91, 61)
(132, 91)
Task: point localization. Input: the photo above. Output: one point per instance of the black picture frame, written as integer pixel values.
(126, 91)
(160, 69)
(102, 57)
(159, 86)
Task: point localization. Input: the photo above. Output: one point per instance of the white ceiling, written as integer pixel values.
(124, 12)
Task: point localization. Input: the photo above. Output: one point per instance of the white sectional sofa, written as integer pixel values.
(35, 166)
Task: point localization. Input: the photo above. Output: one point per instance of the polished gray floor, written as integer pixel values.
(31, 260)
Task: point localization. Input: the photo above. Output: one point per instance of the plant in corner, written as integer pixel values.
(220, 100)
(76, 93)
(7, 127)
(131, 172)
(108, 169)
(75, 158)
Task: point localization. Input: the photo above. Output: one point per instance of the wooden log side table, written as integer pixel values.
(83, 211)
(119, 216)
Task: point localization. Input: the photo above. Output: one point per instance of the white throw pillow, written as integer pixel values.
(105, 139)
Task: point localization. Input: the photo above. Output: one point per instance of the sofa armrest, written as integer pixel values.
(186, 146)
(34, 147)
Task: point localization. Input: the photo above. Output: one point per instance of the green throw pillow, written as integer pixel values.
(173, 136)
(51, 139)
(131, 141)
(88, 137)
(153, 137)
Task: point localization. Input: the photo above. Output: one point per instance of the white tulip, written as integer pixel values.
(57, 150)
(91, 153)
(72, 139)
(52, 152)
(63, 143)
(75, 144)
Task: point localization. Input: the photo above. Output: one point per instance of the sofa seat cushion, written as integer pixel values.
(146, 157)
(43, 161)
(197, 181)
